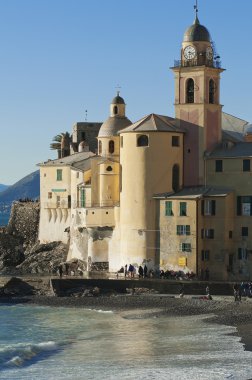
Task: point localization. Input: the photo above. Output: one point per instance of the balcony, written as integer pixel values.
(95, 217)
(200, 61)
(88, 205)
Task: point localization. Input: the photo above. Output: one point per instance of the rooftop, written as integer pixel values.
(154, 122)
(196, 192)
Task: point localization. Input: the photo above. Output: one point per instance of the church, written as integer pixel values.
(173, 193)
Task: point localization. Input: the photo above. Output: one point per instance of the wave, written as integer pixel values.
(101, 311)
(21, 354)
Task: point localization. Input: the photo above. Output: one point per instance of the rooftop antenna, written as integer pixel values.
(85, 115)
(118, 87)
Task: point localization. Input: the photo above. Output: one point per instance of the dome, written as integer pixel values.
(113, 125)
(197, 32)
(118, 99)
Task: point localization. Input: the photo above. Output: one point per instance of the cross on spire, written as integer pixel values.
(118, 87)
(196, 8)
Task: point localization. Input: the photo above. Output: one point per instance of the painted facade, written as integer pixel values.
(172, 193)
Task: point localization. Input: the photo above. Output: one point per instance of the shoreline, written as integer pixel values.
(221, 310)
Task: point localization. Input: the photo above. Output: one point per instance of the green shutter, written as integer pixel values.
(82, 198)
(168, 208)
(182, 206)
(188, 231)
(59, 174)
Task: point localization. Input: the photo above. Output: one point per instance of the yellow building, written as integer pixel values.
(172, 193)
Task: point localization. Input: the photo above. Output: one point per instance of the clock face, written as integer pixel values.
(209, 52)
(189, 52)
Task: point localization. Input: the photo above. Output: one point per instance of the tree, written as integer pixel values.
(58, 142)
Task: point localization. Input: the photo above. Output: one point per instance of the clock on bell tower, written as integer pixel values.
(197, 100)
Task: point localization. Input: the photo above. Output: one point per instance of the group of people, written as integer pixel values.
(243, 289)
(130, 271)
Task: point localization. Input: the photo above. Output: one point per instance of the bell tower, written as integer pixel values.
(197, 99)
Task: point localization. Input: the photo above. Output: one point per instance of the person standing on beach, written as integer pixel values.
(140, 271)
(131, 270)
(145, 270)
(236, 292)
(125, 270)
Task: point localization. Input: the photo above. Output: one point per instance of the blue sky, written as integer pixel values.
(60, 57)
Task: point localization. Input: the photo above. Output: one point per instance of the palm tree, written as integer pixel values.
(58, 142)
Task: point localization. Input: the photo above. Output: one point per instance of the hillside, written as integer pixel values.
(27, 187)
(3, 187)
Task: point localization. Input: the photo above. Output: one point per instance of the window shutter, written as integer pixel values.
(239, 205)
(188, 230)
(213, 207)
(202, 207)
(178, 230)
(239, 253)
(202, 233)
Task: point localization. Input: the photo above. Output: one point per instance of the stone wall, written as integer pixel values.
(20, 250)
(24, 222)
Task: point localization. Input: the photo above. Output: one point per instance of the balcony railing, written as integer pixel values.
(81, 204)
(197, 62)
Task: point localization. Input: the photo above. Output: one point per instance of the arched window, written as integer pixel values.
(211, 91)
(175, 178)
(111, 146)
(115, 110)
(143, 140)
(100, 147)
(190, 91)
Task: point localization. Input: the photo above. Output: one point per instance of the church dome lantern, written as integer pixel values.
(117, 120)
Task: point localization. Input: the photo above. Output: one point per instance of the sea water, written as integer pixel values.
(65, 343)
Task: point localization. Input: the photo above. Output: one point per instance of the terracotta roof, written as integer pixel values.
(154, 122)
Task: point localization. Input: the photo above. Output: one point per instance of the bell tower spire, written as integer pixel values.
(197, 99)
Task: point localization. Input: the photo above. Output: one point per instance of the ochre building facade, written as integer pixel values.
(171, 193)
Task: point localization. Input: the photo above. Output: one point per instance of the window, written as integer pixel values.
(205, 255)
(143, 140)
(49, 195)
(44, 174)
(208, 207)
(175, 178)
(82, 197)
(59, 174)
(244, 205)
(77, 174)
(185, 247)
(211, 91)
(190, 91)
(218, 166)
(111, 146)
(83, 136)
(182, 209)
(168, 208)
(207, 233)
(109, 168)
(244, 231)
(115, 110)
(242, 254)
(121, 139)
(69, 201)
(183, 230)
(175, 140)
(230, 234)
(100, 147)
(246, 165)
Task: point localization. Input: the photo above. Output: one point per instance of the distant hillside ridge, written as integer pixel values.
(27, 187)
(3, 187)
